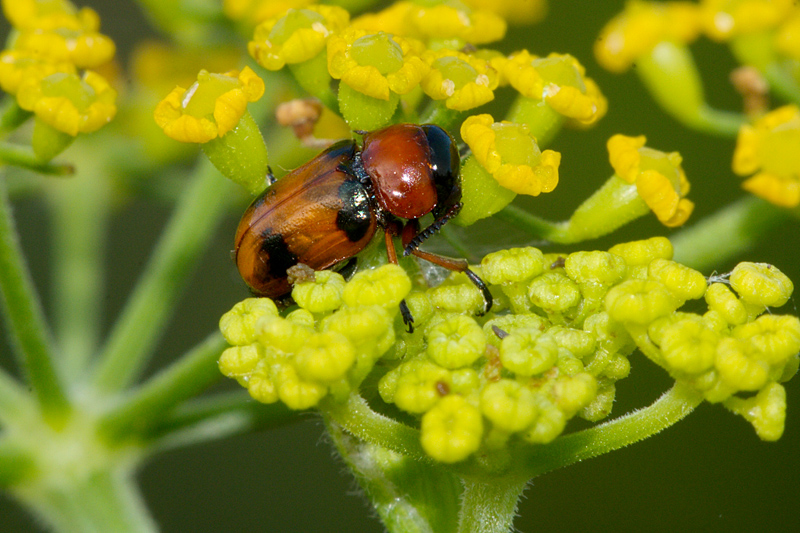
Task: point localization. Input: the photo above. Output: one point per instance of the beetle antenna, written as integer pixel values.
(408, 318)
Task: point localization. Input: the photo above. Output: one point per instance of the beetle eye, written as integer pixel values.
(445, 165)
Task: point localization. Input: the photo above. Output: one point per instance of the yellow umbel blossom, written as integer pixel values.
(296, 36)
(254, 11)
(462, 81)
(210, 108)
(511, 155)
(640, 27)
(394, 19)
(515, 12)
(560, 81)
(449, 21)
(16, 65)
(725, 19)
(69, 103)
(787, 38)
(375, 64)
(83, 47)
(658, 176)
(49, 14)
(768, 147)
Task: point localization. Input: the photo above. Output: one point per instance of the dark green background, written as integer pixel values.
(708, 473)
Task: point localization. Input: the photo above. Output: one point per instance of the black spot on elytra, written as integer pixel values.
(355, 216)
(278, 256)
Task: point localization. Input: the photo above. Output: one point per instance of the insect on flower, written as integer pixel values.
(329, 209)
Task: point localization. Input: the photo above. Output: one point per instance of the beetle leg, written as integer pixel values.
(270, 177)
(459, 265)
(437, 224)
(390, 232)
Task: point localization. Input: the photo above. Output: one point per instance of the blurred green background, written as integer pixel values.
(708, 473)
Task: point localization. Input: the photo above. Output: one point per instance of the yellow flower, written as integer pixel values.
(49, 15)
(517, 12)
(511, 155)
(393, 19)
(725, 19)
(462, 81)
(658, 176)
(69, 103)
(445, 21)
(787, 38)
(375, 64)
(210, 108)
(769, 148)
(640, 27)
(84, 47)
(559, 80)
(254, 11)
(16, 65)
(296, 36)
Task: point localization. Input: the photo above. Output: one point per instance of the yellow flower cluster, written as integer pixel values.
(556, 342)
(769, 148)
(658, 177)
(52, 43)
(423, 46)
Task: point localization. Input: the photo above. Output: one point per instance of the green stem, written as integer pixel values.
(104, 501)
(23, 156)
(80, 218)
(188, 376)
(673, 406)
(31, 337)
(16, 463)
(489, 506)
(458, 245)
(12, 115)
(538, 227)
(216, 417)
(358, 419)
(728, 232)
(718, 122)
(782, 81)
(145, 317)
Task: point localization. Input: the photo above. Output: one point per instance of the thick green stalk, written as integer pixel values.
(536, 226)
(490, 505)
(23, 156)
(185, 378)
(103, 502)
(727, 233)
(31, 337)
(145, 317)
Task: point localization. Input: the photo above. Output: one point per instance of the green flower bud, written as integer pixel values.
(509, 323)
(639, 301)
(548, 425)
(509, 405)
(775, 338)
(610, 335)
(282, 334)
(260, 385)
(385, 286)
(574, 392)
(683, 282)
(528, 351)
(761, 284)
(456, 295)
(368, 328)
(513, 265)
(601, 406)
(456, 342)
(238, 325)
(738, 365)
(595, 267)
(416, 387)
(325, 357)
(554, 292)
(766, 411)
(321, 295)
(295, 392)
(578, 343)
(452, 430)
(239, 361)
(722, 300)
(689, 346)
(638, 253)
(302, 317)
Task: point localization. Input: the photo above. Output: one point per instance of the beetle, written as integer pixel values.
(330, 209)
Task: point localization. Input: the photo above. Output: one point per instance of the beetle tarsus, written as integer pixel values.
(487, 296)
(408, 318)
(431, 230)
